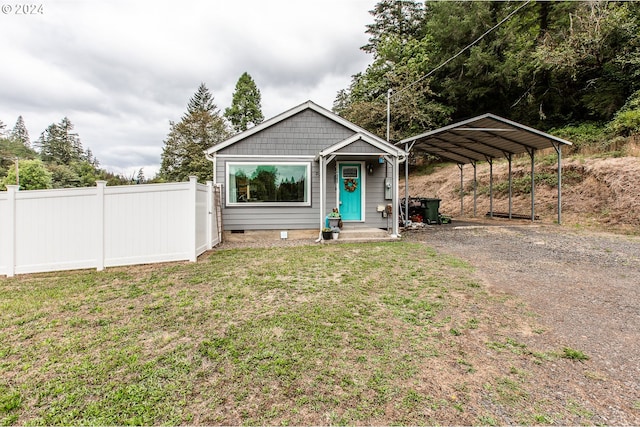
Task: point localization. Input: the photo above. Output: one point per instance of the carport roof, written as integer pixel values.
(482, 138)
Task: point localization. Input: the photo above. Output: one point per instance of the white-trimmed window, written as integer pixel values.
(260, 183)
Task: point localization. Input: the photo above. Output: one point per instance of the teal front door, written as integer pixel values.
(350, 191)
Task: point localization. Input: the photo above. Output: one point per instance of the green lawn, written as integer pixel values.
(381, 333)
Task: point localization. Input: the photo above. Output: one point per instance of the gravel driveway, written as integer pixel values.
(585, 287)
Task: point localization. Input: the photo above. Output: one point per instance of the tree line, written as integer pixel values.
(57, 158)
(550, 65)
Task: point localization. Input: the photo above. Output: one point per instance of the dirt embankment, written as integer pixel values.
(596, 192)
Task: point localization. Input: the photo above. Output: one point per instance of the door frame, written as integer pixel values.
(363, 186)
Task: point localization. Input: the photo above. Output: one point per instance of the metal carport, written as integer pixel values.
(485, 138)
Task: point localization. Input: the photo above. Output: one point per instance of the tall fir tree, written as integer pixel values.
(20, 133)
(200, 128)
(396, 18)
(60, 144)
(245, 110)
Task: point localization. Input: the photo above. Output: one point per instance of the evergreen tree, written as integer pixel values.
(200, 128)
(2, 129)
(394, 18)
(549, 64)
(141, 179)
(59, 144)
(245, 110)
(93, 161)
(20, 133)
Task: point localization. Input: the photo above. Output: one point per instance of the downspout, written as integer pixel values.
(321, 165)
(212, 159)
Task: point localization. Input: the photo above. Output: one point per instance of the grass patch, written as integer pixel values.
(571, 354)
(325, 334)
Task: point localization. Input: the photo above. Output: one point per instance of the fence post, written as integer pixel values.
(210, 211)
(193, 214)
(100, 186)
(11, 222)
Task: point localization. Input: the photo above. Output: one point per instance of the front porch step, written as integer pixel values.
(361, 234)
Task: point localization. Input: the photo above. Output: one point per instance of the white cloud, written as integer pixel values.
(121, 70)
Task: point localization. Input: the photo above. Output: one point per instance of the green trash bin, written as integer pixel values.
(431, 210)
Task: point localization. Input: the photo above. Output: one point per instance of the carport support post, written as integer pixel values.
(510, 185)
(558, 148)
(490, 160)
(460, 166)
(475, 188)
(532, 154)
(406, 185)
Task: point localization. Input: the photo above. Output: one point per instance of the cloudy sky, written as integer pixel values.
(121, 70)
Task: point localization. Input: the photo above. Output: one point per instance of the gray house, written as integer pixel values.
(289, 172)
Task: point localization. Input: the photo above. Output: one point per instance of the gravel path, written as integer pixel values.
(585, 287)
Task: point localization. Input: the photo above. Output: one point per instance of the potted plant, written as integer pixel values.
(335, 231)
(334, 218)
(326, 233)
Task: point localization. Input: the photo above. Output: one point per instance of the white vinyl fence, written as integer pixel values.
(98, 227)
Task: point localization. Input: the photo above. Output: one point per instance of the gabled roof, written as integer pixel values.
(292, 112)
(375, 142)
(482, 138)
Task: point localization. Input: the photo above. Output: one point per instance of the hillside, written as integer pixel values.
(601, 193)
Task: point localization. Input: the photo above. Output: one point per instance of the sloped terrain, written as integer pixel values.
(602, 193)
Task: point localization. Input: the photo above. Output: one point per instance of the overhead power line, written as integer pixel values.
(462, 50)
(390, 93)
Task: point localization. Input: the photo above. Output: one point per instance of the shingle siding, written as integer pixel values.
(360, 147)
(306, 133)
(298, 139)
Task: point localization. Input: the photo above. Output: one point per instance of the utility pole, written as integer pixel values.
(388, 112)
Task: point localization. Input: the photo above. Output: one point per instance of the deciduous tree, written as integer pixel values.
(32, 173)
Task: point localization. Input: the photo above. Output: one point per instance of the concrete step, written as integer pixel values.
(361, 234)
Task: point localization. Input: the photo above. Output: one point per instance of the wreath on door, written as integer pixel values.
(350, 184)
